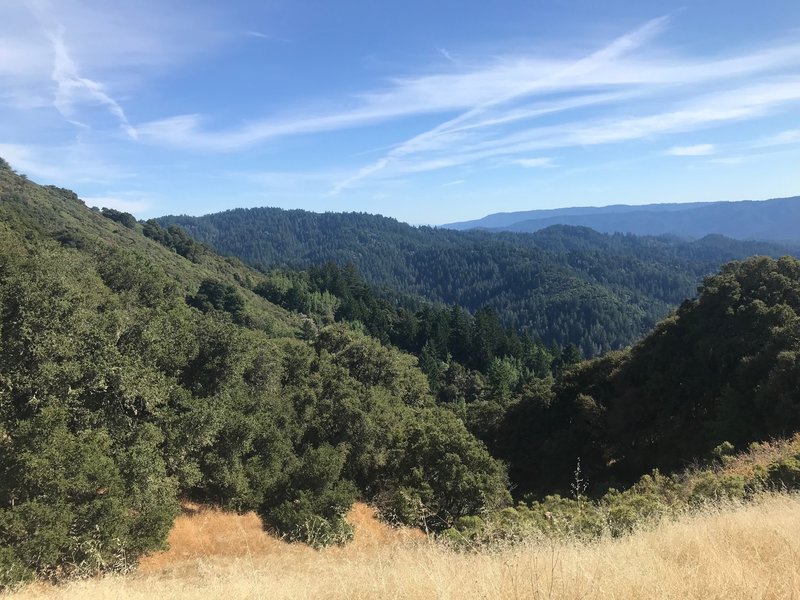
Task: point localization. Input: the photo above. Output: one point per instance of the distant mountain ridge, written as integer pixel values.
(766, 220)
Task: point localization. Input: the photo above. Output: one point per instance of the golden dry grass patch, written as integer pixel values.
(201, 533)
(738, 551)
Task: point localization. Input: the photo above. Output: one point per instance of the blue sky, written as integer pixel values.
(428, 111)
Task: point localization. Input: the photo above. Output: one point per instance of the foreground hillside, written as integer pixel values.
(137, 368)
(698, 534)
(738, 551)
(564, 284)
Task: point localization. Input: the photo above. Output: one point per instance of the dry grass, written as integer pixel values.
(202, 533)
(750, 551)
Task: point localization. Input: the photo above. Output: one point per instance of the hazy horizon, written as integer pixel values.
(426, 113)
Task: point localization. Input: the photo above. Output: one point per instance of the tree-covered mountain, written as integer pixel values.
(723, 369)
(465, 357)
(772, 220)
(562, 284)
(138, 369)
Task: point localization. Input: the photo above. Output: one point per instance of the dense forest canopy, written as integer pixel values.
(139, 368)
(724, 368)
(561, 285)
(131, 375)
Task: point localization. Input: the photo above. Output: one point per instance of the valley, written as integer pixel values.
(147, 379)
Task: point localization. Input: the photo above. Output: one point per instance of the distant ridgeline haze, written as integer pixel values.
(564, 285)
(769, 220)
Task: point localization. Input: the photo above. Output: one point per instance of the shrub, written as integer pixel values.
(76, 502)
(785, 472)
(313, 501)
(123, 218)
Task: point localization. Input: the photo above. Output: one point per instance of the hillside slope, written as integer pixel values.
(134, 372)
(50, 213)
(724, 368)
(563, 284)
(745, 551)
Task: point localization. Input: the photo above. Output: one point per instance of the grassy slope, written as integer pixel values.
(720, 550)
(737, 551)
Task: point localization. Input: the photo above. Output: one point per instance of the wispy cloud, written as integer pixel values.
(543, 162)
(790, 136)
(569, 76)
(729, 160)
(475, 89)
(258, 34)
(186, 131)
(62, 163)
(131, 204)
(72, 89)
(24, 160)
(449, 57)
(695, 150)
(452, 183)
(484, 104)
(702, 112)
(76, 52)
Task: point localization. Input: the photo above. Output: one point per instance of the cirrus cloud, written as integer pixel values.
(695, 150)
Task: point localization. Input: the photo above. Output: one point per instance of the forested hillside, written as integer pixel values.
(138, 368)
(562, 285)
(724, 368)
(132, 375)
